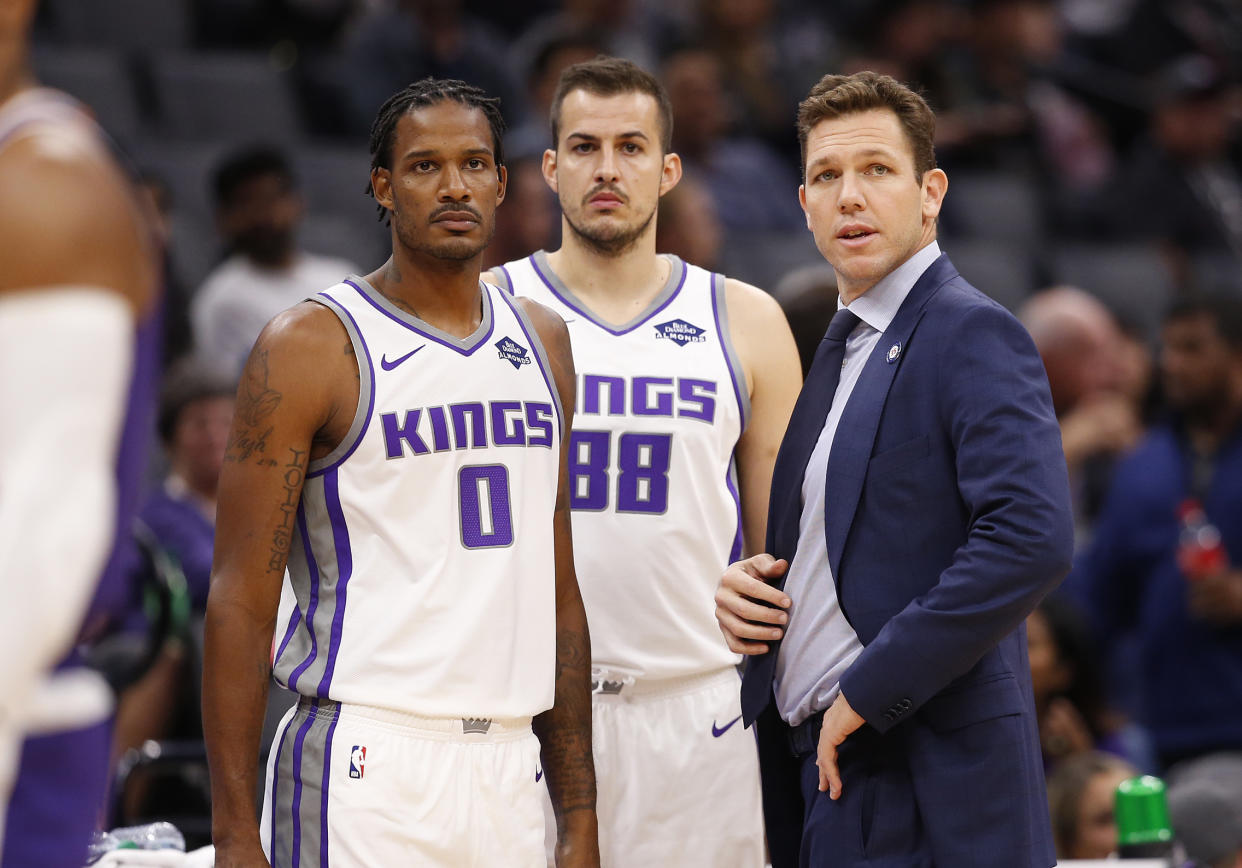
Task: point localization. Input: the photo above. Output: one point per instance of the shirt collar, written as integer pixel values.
(878, 305)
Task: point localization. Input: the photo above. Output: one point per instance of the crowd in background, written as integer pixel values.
(1094, 154)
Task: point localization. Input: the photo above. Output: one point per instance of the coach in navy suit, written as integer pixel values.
(919, 511)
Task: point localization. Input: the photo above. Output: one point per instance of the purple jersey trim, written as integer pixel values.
(508, 287)
(586, 314)
(313, 570)
(370, 401)
(280, 746)
(323, 797)
(344, 569)
(431, 336)
(541, 356)
(726, 346)
(295, 618)
(735, 553)
(297, 785)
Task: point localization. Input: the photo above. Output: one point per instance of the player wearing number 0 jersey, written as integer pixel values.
(399, 445)
(685, 383)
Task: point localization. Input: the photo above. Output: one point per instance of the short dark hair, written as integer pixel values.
(1225, 311)
(836, 96)
(190, 379)
(612, 76)
(246, 164)
(422, 94)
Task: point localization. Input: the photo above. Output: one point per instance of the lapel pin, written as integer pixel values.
(893, 352)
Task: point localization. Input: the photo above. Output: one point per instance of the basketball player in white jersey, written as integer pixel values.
(400, 443)
(686, 380)
(77, 273)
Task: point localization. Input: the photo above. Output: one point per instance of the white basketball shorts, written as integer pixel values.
(349, 785)
(677, 774)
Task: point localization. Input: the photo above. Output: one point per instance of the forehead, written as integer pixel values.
(872, 130)
(443, 126)
(595, 115)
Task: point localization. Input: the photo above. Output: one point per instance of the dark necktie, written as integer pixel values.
(805, 426)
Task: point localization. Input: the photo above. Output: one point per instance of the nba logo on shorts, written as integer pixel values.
(357, 759)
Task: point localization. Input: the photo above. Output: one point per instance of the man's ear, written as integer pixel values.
(549, 169)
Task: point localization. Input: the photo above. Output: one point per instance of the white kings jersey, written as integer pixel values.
(661, 402)
(422, 556)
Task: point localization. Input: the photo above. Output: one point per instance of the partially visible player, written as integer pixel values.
(686, 380)
(399, 442)
(77, 280)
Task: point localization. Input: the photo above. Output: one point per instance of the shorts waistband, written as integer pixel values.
(450, 726)
(605, 683)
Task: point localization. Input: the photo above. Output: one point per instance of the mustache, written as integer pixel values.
(605, 188)
(455, 207)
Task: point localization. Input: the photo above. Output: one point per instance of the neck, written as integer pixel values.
(629, 278)
(442, 292)
(1208, 431)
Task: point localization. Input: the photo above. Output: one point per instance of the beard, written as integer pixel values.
(609, 240)
(453, 249)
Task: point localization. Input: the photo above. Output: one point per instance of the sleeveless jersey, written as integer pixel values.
(422, 557)
(661, 402)
(44, 111)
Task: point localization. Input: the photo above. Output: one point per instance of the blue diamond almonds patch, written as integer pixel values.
(681, 332)
(512, 351)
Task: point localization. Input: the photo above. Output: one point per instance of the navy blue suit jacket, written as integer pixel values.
(947, 519)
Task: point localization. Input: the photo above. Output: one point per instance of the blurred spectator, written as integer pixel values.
(687, 224)
(401, 41)
(195, 412)
(177, 336)
(1089, 370)
(533, 135)
(753, 190)
(768, 62)
(1207, 819)
(1182, 186)
(1080, 800)
(259, 23)
(258, 209)
(808, 296)
(529, 220)
(1070, 700)
(1187, 628)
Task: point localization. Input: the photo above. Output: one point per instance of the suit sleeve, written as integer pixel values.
(996, 412)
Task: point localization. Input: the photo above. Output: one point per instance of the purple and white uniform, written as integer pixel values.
(423, 632)
(661, 403)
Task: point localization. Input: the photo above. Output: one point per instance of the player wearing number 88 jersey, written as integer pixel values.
(685, 383)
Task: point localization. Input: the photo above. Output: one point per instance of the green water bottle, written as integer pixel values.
(1143, 827)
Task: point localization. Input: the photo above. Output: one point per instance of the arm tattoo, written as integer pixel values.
(256, 401)
(565, 731)
(282, 538)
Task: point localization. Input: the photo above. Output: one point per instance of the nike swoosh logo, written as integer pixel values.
(388, 366)
(718, 731)
(538, 775)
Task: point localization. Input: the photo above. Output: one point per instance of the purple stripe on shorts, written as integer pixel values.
(314, 600)
(297, 786)
(323, 798)
(344, 569)
(295, 618)
(280, 746)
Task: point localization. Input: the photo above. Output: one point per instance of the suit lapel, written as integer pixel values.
(851, 449)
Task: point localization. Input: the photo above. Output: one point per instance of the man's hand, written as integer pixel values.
(839, 721)
(740, 599)
(1217, 598)
(248, 855)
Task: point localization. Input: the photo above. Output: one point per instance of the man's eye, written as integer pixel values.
(879, 169)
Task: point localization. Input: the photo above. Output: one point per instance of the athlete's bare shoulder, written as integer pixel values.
(69, 216)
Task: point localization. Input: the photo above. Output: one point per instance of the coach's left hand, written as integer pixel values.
(839, 721)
